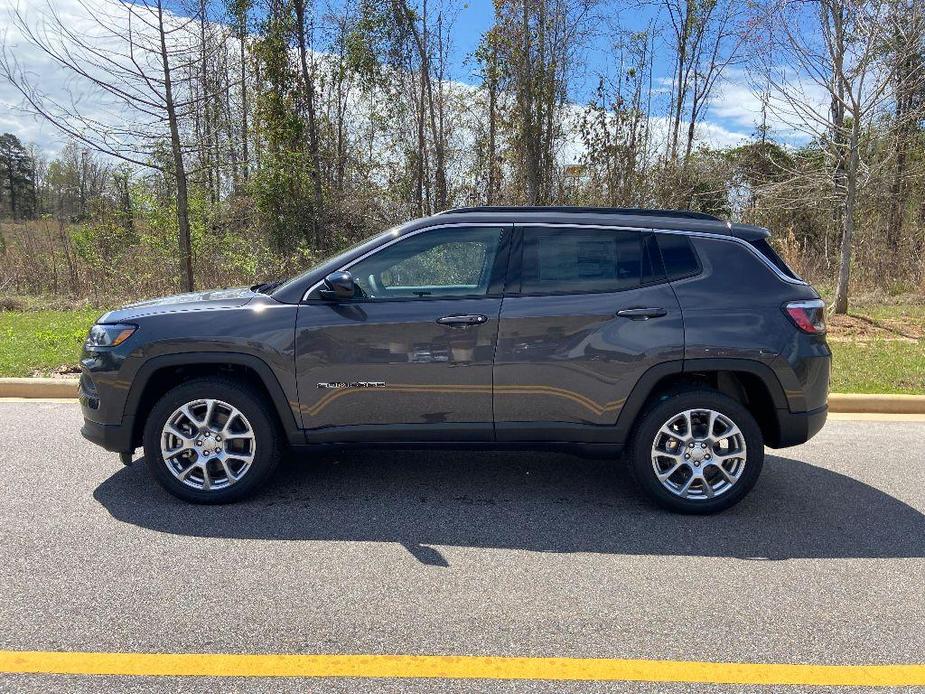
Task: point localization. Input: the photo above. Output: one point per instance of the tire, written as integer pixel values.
(728, 467)
(223, 468)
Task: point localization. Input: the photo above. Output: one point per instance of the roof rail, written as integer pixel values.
(627, 211)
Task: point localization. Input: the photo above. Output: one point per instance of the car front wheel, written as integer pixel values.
(211, 441)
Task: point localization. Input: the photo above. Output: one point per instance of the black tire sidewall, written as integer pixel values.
(657, 414)
(251, 405)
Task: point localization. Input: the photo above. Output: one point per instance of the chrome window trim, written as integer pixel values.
(576, 225)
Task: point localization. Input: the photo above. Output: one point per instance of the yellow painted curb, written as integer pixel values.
(38, 387)
(456, 667)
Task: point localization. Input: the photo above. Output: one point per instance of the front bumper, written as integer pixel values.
(798, 427)
(102, 393)
(113, 437)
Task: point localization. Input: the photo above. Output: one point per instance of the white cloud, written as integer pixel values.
(102, 26)
(731, 118)
(738, 101)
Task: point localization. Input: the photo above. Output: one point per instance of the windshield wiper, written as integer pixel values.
(265, 287)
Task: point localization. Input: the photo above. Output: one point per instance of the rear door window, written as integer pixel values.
(577, 260)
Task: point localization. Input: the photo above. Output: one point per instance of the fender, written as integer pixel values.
(284, 408)
(768, 376)
(651, 378)
(640, 394)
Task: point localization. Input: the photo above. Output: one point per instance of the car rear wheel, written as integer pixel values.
(210, 441)
(697, 451)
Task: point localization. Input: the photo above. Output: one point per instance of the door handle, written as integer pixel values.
(642, 313)
(463, 320)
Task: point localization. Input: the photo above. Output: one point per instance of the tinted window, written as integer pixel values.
(768, 252)
(580, 260)
(445, 262)
(678, 256)
(652, 268)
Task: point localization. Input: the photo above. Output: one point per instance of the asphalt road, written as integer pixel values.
(460, 553)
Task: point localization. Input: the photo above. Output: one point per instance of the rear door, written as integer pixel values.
(587, 312)
(410, 357)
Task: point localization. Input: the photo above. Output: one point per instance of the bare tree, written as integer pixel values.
(418, 26)
(825, 77)
(907, 49)
(538, 41)
(124, 99)
(303, 16)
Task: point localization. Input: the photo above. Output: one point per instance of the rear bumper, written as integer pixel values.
(113, 437)
(798, 427)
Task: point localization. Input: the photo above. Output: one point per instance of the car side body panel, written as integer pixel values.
(570, 361)
(389, 370)
(724, 321)
(258, 334)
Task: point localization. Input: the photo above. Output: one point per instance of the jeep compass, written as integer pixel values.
(678, 341)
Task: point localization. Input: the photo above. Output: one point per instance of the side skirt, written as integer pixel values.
(591, 450)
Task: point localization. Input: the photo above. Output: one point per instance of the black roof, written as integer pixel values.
(634, 218)
(567, 209)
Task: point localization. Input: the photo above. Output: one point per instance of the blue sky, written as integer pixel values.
(729, 120)
(476, 17)
(733, 116)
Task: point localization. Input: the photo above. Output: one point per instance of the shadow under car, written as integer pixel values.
(540, 502)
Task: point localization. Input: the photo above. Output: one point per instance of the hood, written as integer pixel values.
(180, 303)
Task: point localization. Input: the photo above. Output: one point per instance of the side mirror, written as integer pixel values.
(338, 286)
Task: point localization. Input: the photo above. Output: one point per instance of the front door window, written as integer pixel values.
(445, 263)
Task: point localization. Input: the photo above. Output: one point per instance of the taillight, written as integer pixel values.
(808, 316)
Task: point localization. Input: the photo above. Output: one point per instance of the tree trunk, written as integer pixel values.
(12, 179)
(851, 194)
(492, 119)
(904, 81)
(529, 145)
(680, 86)
(421, 41)
(179, 171)
(419, 157)
(314, 149)
(245, 169)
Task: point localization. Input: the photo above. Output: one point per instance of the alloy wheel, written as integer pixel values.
(699, 454)
(208, 444)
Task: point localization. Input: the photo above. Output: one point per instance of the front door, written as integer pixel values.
(410, 357)
(591, 312)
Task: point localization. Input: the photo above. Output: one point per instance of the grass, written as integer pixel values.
(878, 366)
(39, 342)
(880, 348)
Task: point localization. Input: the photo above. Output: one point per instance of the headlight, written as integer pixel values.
(109, 335)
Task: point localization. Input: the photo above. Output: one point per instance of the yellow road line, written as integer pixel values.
(456, 667)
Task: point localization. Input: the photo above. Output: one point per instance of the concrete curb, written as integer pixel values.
(879, 404)
(838, 402)
(38, 387)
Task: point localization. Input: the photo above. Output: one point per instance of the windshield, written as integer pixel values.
(335, 261)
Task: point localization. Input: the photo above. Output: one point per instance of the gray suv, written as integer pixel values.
(678, 340)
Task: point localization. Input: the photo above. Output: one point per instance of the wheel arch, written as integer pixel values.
(159, 374)
(750, 382)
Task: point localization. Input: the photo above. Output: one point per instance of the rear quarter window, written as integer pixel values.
(678, 256)
(765, 249)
